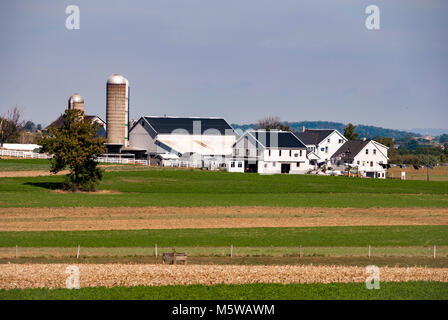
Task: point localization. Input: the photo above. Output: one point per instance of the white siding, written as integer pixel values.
(370, 162)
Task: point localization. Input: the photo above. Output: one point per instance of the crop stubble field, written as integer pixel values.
(13, 276)
(169, 201)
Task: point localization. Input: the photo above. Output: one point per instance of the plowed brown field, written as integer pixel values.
(110, 275)
(34, 219)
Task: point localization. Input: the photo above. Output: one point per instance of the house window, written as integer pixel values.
(273, 164)
(300, 152)
(326, 149)
(367, 151)
(328, 140)
(265, 165)
(298, 164)
(357, 162)
(374, 151)
(247, 152)
(296, 154)
(290, 152)
(269, 152)
(232, 164)
(371, 163)
(258, 153)
(240, 164)
(340, 140)
(363, 163)
(322, 149)
(280, 153)
(237, 151)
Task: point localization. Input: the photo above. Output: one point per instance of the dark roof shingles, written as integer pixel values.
(311, 136)
(278, 139)
(166, 125)
(353, 147)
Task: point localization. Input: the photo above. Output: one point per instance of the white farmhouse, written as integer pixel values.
(321, 144)
(368, 156)
(268, 152)
(194, 142)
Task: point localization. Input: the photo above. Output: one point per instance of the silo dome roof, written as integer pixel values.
(76, 98)
(117, 79)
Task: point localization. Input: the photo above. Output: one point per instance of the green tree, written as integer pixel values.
(443, 138)
(30, 126)
(412, 145)
(75, 145)
(349, 132)
(392, 153)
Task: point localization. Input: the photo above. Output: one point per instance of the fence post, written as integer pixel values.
(77, 253)
(231, 250)
(155, 249)
(434, 251)
(369, 251)
(17, 251)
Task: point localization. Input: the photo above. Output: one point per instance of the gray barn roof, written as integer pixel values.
(353, 147)
(313, 136)
(277, 139)
(166, 125)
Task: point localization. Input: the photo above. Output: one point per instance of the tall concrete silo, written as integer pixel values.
(76, 102)
(117, 111)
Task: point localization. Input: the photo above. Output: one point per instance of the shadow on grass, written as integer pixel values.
(46, 185)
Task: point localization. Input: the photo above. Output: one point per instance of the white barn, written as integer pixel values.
(197, 142)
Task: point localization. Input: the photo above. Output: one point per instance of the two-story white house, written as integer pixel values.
(268, 152)
(322, 142)
(368, 156)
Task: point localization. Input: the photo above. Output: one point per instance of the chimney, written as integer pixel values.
(303, 128)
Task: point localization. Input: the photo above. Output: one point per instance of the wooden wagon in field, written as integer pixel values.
(174, 257)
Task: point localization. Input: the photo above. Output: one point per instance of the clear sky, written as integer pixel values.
(238, 59)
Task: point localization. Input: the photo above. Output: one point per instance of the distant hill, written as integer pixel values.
(369, 132)
(430, 131)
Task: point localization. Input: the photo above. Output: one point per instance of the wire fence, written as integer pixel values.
(224, 251)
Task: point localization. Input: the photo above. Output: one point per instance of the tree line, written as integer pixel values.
(13, 129)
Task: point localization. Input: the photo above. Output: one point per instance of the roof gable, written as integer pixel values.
(314, 136)
(351, 148)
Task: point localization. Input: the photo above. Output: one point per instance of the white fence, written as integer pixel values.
(24, 154)
(118, 160)
(34, 155)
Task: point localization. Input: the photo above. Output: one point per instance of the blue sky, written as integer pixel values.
(242, 60)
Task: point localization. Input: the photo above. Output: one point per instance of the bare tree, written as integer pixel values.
(272, 122)
(10, 125)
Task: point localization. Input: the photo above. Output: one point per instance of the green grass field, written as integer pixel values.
(24, 164)
(351, 291)
(312, 236)
(199, 188)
